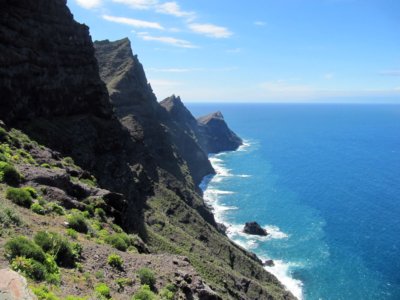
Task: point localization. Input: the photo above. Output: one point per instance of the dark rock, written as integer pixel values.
(216, 135)
(254, 228)
(269, 263)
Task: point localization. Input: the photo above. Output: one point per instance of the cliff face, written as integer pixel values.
(183, 128)
(50, 88)
(216, 135)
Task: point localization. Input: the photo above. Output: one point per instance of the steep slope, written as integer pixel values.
(54, 93)
(183, 128)
(216, 135)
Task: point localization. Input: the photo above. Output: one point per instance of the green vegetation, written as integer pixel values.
(115, 261)
(147, 277)
(29, 267)
(61, 249)
(77, 222)
(122, 283)
(22, 246)
(57, 209)
(168, 292)
(102, 291)
(3, 134)
(9, 174)
(144, 293)
(8, 217)
(100, 213)
(32, 191)
(38, 209)
(43, 293)
(119, 241)
(72, 233)
(19, 196)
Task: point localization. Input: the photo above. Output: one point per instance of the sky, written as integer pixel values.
(258, 50)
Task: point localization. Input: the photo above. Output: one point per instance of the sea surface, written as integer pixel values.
(324, 180)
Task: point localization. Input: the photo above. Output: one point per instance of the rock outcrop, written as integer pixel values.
(254, 228)
(14, 286)
(216, 135)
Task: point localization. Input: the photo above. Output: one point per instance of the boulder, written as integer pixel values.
(269, 263)
(254, 228)
(13, 286)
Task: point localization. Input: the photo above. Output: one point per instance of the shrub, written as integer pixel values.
(77, 222)
(144, 293)
(68, 161)
(9, 174)
(29, 267)
(117, 241)
(38, 209)
(99, 275)
(75, 298)
(57, 246)
(8, 217)
(22, 246)
(103, 291)
(31, 191)
(43, 293)
(100, 213)
(72, 233)
(54, 207)
(115, 261)
(168, 292)
(45, 165)
(147, 277)
(123, 282)
(19, 196)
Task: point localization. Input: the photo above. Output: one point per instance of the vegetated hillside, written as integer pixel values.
(50, 88)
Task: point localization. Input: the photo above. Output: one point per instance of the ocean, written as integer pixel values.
(324, 180)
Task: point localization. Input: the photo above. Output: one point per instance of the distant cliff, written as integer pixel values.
(128, 167)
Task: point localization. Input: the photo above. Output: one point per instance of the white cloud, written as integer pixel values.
(260, 23)
(133, 22)
(88, 4)
(173, 8)
(167, 40)
(211, 30)
(390, 72)
(138, 4)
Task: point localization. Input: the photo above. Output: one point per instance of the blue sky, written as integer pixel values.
(258, 50)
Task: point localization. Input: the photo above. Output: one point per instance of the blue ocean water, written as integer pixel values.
(325, 182)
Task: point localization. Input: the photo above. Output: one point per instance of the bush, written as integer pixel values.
(100, 213)
(43, 293)
(38, 209)
(22, 246)
(122, 283)
(147, 277)
(31, 191)
(9, 174)
(29, 267)
(168, 292)
(19, 196)
(144, 293)
(103, 291)
(54, 207)
(57, 246)
(117, 241)
(77, 222)
(9, 218)
(72, 233)
(75, 298)
(115, 261)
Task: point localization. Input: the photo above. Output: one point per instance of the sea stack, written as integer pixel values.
(254, 228)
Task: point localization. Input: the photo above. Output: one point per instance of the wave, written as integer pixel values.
(212, 197)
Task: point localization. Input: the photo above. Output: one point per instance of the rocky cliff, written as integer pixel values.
(51, 89)
(216, 135)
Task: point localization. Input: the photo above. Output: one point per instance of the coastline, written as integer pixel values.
(281, 269)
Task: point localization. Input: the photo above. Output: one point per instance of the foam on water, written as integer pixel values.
(214, 198)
